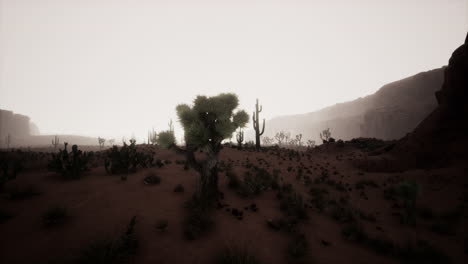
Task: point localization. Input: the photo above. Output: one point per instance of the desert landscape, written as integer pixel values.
(379, 179)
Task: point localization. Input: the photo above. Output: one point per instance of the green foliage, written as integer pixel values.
(166, 138)
(55, 216)
(69, 164)
(109, 251)
(211, 119)
(233, 255)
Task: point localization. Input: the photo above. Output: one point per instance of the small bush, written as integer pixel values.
(152, 179)
(197, 221)
(293, 205)
(235, 256)
(108, 251)
(55, 216)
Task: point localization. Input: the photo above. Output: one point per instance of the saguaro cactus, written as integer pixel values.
(240, 138)
(256, 125)
(55, 142)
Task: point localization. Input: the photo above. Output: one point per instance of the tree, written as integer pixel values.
(101, 142)
(267, 140)
(325, 135)
(166, 139)
(206, 124)
(310, 143)
(111, 141)
(299, 139)
(280, 136)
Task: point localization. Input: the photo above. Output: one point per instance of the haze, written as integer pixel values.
(117, 68)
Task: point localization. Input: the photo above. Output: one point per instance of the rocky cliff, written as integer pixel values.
(390, 113)
(12, 124)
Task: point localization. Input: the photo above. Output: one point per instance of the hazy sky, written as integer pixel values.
(114, 67)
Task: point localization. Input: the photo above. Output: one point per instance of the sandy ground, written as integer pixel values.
(101, 205)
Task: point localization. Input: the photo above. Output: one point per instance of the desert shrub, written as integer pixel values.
(108, 251)
(233, 180)
(318, 198)
(368, 144)
(254, 184)
(363, 183)
(234, 255)
(166, 138)
(55, 216)
(293, 205)
(152, 179)
(69, 164)
(297, 247)
(126, 159)
(342, 214)
(408, 192)
(9, 168)
(381, 246)
(197, 221)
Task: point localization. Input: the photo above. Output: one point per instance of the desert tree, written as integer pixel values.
(206, 124)
(287, 137)
(310, 143)
(280, 137)
(111, 141)
(101, 142)
(299, 139)
(325, 135)
(256, 124)
(166, 139)
(267, 140)
(55, 142)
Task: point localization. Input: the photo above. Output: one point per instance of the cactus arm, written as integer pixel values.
(263, 127)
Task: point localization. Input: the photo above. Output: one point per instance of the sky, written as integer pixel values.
(114, 68)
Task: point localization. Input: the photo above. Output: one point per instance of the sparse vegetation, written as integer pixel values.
(70, 165)
(112, 250)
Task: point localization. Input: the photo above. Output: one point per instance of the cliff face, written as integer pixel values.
(14, 124)
(390, 113)
(442, 137)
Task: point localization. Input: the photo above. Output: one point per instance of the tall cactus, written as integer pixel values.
(240, 138)
(256, 125)
(55, 142)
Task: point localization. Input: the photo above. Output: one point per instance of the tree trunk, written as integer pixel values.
(208, 184)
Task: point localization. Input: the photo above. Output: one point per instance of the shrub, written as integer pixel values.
(69, 164)
(108, 251)
(9, 168)
(293, 205)
(354, 232)
(55, 216)
(234, 181)
(234, 255)
(166, 138)
(152, 179)
(197, 222)
(254, 184)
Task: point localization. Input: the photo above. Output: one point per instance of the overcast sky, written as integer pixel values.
(113, 67)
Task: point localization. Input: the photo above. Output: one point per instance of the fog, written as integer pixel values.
(114, 68)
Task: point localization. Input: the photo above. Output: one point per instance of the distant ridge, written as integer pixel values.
(391, 112)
